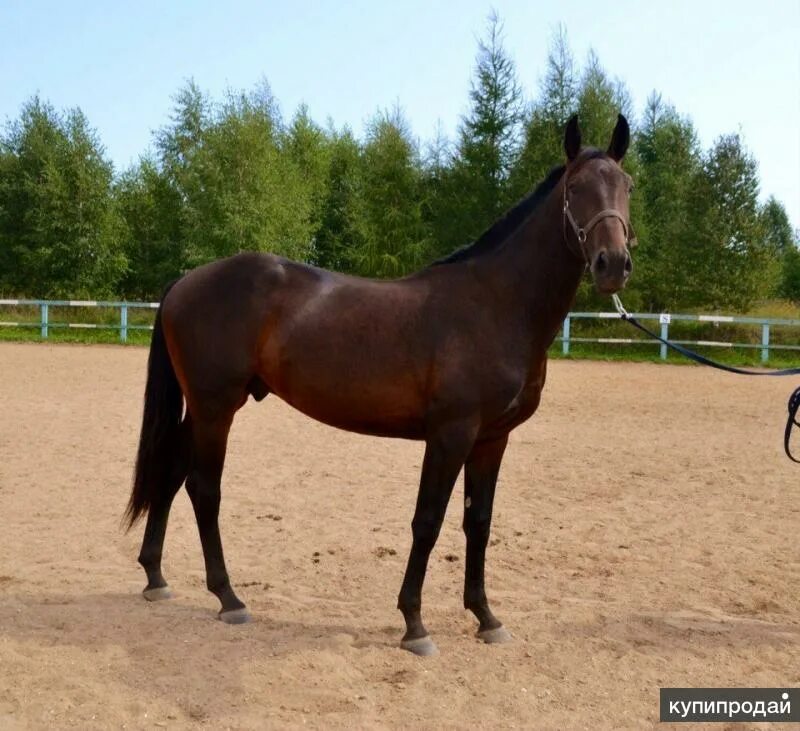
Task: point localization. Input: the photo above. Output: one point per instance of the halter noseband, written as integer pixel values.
(582, 232)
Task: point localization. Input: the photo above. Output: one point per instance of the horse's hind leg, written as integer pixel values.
(480, 477)
(153, 541)
(209, 438)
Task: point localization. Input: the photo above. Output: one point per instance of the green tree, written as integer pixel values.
(152, 239)
(778, 233)
(395, 239)
(341, 229)
(789, 283)
(241, 190)
(666, 271)
(600, 100)
(782, 242)
(309, 147)
(441, 199)
(543, 136)
(59, 228)
(180, 142)
(488, 142)
(735, 262)
(781, 247)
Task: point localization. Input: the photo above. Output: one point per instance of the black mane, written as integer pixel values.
(501, 229)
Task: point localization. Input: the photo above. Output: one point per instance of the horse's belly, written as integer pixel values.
(356, 393)
(349, 406)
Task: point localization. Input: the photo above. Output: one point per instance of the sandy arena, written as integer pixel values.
(645, 535)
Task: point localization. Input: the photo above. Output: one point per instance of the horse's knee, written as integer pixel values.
(425, 531)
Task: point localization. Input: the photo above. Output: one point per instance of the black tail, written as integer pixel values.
(159, 442)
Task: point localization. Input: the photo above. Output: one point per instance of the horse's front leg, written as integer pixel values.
(480, 477)
(445, 453)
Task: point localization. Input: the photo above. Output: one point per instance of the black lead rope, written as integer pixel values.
(794, 405)
(794, 399)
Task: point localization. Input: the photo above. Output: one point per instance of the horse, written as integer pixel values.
(454, 355)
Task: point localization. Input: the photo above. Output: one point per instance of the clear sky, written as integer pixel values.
(730, 65)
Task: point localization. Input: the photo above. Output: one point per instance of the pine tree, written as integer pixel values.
(670, 163)
(488, 141)
(395, 238)
(735, 260)
(341, 230)
(543, 137)
(600, 100)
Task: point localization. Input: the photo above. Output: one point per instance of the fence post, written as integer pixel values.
(765, 342)
(665, 335)
(565, 339)
(44, 320)
(123, 323)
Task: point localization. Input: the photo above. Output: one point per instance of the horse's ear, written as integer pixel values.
(620, 139)
(572, 138)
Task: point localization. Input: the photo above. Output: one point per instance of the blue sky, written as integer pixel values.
(731, 66)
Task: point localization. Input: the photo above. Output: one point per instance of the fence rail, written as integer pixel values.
(45, 324)
(665, 320)
(566, 338)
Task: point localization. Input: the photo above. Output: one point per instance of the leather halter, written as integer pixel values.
(582, 232)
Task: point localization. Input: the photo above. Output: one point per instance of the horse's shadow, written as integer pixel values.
(116, 616)
(163, 641)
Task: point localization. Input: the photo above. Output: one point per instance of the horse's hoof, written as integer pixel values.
(496, 636)
(235, 616)
(422, 646)
(157, 594)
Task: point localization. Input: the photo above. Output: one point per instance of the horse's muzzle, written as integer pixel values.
(611, 269)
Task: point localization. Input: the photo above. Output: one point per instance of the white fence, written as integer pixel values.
(665, 320)
(567, 338)
(45, 324)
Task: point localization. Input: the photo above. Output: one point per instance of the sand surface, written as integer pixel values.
(645, 535)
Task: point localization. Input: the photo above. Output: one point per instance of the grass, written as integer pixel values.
(776, 309)
(69, 335)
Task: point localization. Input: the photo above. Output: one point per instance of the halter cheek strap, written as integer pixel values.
(582, 232)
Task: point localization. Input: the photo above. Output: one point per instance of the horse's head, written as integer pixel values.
(595, 204)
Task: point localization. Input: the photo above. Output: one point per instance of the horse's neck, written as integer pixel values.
(542, 271)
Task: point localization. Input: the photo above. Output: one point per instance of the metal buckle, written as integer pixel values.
(621, 311)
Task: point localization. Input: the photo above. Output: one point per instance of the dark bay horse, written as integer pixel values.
(454, 355)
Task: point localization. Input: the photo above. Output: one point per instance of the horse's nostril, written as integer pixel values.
(602, 262)
(628, 265)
